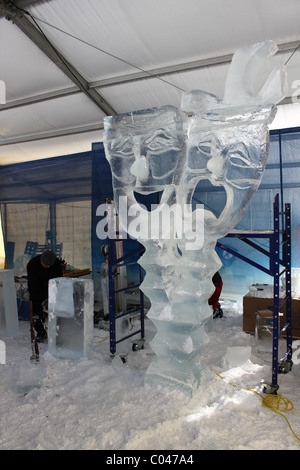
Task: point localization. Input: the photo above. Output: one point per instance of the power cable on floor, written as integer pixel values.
(101, 340)
(276, 403)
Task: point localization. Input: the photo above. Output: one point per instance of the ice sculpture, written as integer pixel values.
(71, 318)
(170, 150)
(9, 322)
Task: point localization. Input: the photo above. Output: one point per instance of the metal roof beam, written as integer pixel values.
(179, 68)
(154, 73)
(40, 98)
(50, 134)
(18, 4)
(71, 131)
(26, 26)
(159, 72)
(66, 92)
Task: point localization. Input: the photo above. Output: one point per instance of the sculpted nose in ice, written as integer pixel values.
(140, 168)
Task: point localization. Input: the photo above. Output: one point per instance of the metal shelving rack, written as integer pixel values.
(279, 256)
(113, 263)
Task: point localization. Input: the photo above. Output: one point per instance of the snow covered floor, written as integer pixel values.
(103, 404)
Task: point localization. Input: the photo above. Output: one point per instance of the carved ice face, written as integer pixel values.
(228, 139)
(146, 149)
(227, 146)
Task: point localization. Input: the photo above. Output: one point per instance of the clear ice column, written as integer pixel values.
(9, 322)
(70, 321)
(181, 320)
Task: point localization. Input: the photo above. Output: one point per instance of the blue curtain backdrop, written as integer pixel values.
(281, 176)
(55, 200)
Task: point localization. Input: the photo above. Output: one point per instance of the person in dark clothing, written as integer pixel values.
(214, 299)
(40, 270)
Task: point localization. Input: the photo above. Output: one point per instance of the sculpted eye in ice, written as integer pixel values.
(171, 150)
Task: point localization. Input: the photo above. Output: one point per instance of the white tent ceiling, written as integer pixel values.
(68, 63)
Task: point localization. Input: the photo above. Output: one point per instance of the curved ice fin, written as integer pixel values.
(249, 68)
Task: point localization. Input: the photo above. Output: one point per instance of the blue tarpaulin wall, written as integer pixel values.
(55, 200)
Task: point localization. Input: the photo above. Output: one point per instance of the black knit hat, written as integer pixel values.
(48, 258)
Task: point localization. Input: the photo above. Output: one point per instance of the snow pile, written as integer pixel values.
(103, 403)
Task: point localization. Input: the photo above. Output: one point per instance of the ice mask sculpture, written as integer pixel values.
(164, 149)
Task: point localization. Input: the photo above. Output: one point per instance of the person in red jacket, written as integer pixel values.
(214, 299)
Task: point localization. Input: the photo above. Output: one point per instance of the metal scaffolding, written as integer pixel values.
(115, 262)
(279, 255)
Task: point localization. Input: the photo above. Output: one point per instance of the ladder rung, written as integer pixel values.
(284, 329)
(289, 351)
(128, 336)
(283, 301)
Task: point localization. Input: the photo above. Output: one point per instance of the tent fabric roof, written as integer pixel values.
(67, 63)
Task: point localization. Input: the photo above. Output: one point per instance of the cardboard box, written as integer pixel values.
(260, 298)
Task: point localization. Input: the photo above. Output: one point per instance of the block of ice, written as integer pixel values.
(2, 352)
(71, 318)
(9, 322)
(237, 355)
(170, 151)
(30, 377)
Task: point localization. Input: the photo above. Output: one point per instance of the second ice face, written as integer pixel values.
(146, 149)
(228, 139)
(228, 146)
